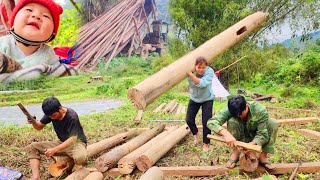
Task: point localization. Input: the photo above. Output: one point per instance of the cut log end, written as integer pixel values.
(102, 164)
(143, 163)
(137, 98)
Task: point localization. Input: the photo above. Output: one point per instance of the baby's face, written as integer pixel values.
(34, 22)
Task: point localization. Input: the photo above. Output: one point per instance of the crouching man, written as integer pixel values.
(72, 140)
(247, 122)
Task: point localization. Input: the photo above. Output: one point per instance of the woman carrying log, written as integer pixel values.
(201, 95)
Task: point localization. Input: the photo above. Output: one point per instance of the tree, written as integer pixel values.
(198, 21)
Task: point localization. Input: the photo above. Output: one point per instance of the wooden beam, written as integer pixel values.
(310, 133)
(256, 148)
(307, 167)
(296, 121)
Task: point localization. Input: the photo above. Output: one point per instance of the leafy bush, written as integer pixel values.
(68, 29)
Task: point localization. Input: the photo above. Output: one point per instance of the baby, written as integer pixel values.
(24, 54)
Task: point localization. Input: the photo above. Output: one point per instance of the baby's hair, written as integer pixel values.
(201, 60)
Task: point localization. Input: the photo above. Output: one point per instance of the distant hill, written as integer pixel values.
(297, 40)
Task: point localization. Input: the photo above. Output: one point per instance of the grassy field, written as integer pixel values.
(291, 146)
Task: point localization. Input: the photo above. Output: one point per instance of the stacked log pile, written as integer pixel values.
(105, 36)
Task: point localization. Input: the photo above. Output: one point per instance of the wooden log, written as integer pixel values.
(79, 174)
(127, 164)
(60, 165)
(138, 118)
(252, 147)
(94, 176)
(310, 133)
(183, 110)
(179, 109)
(146, 91)
(110, 142)
(169, 106)
(173, 107)
(114, 172)
(296, 121)
(159, 107)
(264, 98)
(153, 173)
(194, 171)
(152, 155)
(108, 160)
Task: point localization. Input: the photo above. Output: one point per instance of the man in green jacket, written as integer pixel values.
(247, 122)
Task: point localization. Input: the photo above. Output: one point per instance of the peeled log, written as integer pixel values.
(108, 160)
(153, 173)
(94, 176)
(152, 155)
(79, 174)
(127, 164)
(149, 89)
(108, 143)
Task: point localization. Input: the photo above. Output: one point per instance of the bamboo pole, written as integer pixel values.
(152, 155)
(146, 91)
(108, 160)
(127, 164)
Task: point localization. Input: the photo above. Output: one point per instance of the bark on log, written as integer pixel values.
(127, 164)
(79, 174)
(146, 91)
(153, 173)
(108, 160)
(150, 157)
(94, 176)
(108, 143)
